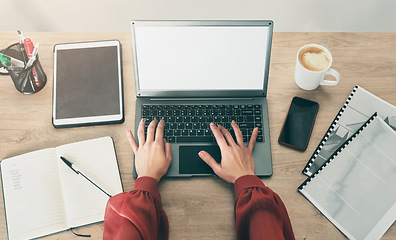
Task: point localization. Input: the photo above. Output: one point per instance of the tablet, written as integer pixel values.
(87, 84)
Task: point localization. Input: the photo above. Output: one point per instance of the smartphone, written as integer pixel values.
(298, 124)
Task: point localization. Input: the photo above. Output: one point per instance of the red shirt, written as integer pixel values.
(138, 214)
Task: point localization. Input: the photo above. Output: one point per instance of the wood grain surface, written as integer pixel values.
(203, 208)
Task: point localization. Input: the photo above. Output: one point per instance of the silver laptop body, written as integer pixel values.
(206, 63)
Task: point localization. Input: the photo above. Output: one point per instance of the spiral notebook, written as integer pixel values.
(355, 189)
(357, 109)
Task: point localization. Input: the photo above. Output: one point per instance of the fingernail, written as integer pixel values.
(212, 124)
(142, 120)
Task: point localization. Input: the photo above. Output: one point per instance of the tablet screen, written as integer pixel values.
(87, 83)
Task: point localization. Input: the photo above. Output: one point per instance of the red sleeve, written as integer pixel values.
(136, 214)
(259, 212)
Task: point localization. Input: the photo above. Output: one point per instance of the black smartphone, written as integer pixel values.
(298, 124)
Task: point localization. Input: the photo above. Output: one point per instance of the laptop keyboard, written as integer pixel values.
(190, 123)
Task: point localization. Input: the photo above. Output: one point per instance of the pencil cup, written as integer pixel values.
(26, 80)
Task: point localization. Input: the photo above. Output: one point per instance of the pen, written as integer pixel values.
(76, 170)
(22, 49)
(33, 57)
(31, 53)
(22, 46)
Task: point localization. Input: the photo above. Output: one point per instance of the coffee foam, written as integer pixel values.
(314, 59)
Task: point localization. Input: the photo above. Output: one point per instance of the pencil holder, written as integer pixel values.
(26, 80)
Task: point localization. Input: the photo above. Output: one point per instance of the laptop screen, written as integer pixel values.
(218, 57)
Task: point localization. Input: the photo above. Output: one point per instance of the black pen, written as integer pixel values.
(70, 165)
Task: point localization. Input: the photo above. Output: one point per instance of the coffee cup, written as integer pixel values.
(312, 65)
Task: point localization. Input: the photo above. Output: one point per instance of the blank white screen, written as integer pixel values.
(201, 57)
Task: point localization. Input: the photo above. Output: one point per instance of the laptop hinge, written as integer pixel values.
(202, 99)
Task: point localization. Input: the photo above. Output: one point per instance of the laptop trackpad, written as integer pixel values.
(191, 163)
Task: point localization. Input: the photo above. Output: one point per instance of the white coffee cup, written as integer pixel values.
(312, 65)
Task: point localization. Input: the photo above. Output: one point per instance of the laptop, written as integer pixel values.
(191, 73)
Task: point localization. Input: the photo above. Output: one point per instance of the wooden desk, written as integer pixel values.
(202, 208)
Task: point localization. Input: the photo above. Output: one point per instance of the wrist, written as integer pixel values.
(156, 177)
(243, 175)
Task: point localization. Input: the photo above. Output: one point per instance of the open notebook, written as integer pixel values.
(42, 195)
(355, 189)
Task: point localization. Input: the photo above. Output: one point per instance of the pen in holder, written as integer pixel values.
(29, 79)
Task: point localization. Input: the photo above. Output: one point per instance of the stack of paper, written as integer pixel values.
(355, 186)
